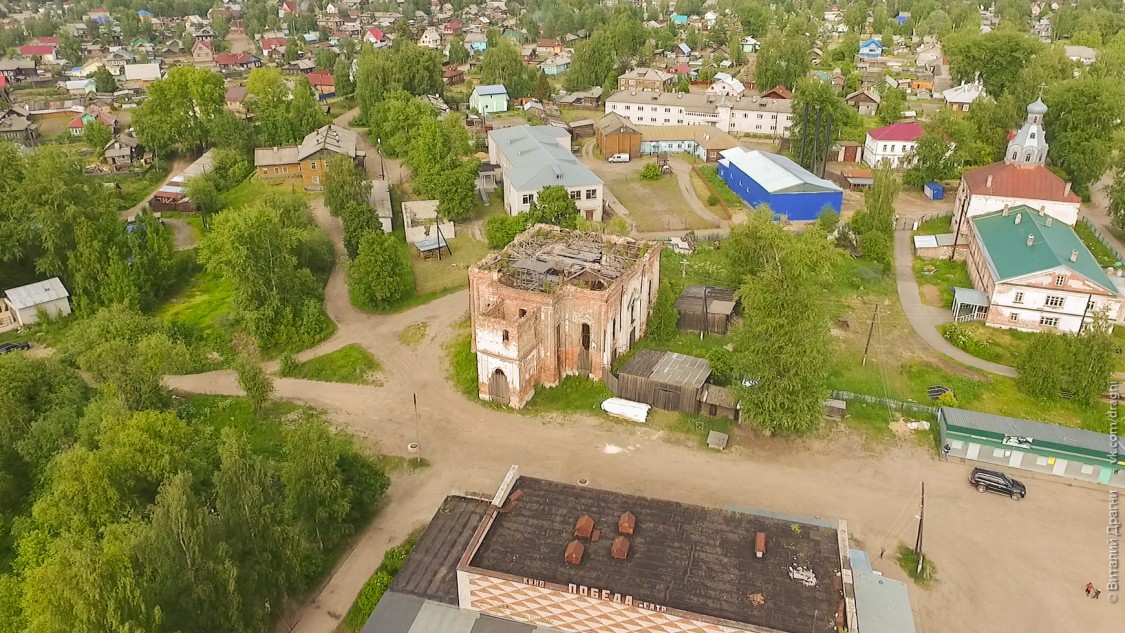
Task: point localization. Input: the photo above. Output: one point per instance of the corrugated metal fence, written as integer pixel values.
(1102, 238)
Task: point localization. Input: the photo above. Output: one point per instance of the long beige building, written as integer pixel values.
(756, 115)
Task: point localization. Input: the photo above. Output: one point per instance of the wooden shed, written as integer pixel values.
(665, 380)
(616, 135)
(705, 309)
(718, 402)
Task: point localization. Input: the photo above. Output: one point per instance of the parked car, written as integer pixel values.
(619, 158)
(11, 347)
(993, 481)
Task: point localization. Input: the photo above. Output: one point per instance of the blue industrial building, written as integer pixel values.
(771, 179)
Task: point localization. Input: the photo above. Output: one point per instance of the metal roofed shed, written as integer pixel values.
(686, 566)
(882, 604)
(380, 201)
(707, 309)
(1030, 445)
(790, 190)
(25, 302)
(666, 380)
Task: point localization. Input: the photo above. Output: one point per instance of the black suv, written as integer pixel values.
(11, 347)
(992, 481)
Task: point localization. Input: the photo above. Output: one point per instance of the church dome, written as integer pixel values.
(1038, 107)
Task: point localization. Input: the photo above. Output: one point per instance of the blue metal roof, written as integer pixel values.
(495, 89)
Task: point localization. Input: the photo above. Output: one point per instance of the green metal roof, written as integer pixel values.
(1005, 246)
(1043, 436)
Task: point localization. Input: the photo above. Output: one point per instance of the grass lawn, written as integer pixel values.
(461, 362)
(872, 420)
(494, 207)
(134, 190)
(194, 220)
(711, 173)
(450, 272)
(692, 426)
(264, 429)
(908, 560)
(350, 364)
(1105, 256)
(376, 586)
(943, 276)
(656, 205)
(414, 334)
(1005, 346)
(253, 189)
(934, 226)
(575, 394)
(202, 304)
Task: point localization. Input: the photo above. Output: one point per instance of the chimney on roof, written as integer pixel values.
(988, 182)
(627, 523)
(760, 544)
(1074, 255)
(585, 527)
(620, 548)
(1030, 239)
(1019, 218)
(1007, 210)
(1042, 209)
(574, 551)
(1066, 190)
(1047, 221)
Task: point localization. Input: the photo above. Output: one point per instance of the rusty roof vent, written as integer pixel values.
(620, 548)
(760, 544)
(627, 523)
(574, 551)
(513, 499)
(585, 527)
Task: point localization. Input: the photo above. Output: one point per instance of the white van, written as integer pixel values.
(619, 158)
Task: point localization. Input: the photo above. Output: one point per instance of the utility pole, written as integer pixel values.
(921, 522)
(871, 331)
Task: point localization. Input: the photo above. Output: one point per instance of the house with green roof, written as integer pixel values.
(1032, 272)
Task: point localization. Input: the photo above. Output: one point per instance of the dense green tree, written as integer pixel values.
(781, 352)
(325, 59)
(542, 90)
(205, 196)
(180, 110)
(891, 106)
(783, 60)
(458, 53)
(873, 225)
(380, 275)
(268, 100)
(1115, 194)
(393, 120)
(104, 80)
(755, 18)
(810, 139)
(503, 65)
(996, 58)
(553, 205)
(345, 183)
(1040, 366)
(254, 382)
(948, 145)
(342, 78)
(305, 112)
(1083, 115)
(500, 230)
(97, 135)
(358, 219)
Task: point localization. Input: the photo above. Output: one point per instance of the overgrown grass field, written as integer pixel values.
(350, 364)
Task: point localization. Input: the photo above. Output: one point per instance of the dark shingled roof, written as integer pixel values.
(431, 570)
(681, 556)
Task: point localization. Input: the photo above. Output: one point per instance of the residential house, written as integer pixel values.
(451, 28)
(1021, 178)
(201, 52)
(555, 65)
(1082, 54)
(123, 150)
(725, 84)
(928, 57)
(273, 46)
(17, 69)
(323, 83)
(42, 52)
(547, 47)
(236, 61)
(866, 101)
(308, 161)
(93, 113)
(78, 87)
(139, 76)
(891, 144)
(533, 157)
(16, 126)
(98, 14)
(203, 34)
(116, 61)
(1033, 273)
(871, 49)
(646, 80)
(759, 115)
(750, 45)
(431, 38)
(585, 99)
(477, 42)
(299, 67)
(452, 75)
(961, 97)
(26, 302)
(489, 99)
(703, 142)
(236, 99)
(288, 8)
(374, 36)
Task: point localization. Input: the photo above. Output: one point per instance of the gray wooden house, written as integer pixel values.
(705, 309)
(666, 380)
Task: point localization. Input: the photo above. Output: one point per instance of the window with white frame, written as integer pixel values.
(1014, 317)
(1018, 298)
(591, 194)
(1054, 301)
(528, 197)
(575, 195)
(1049, 321)
(1060, 280)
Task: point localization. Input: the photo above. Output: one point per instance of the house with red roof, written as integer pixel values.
(323, 83)
(891, 143)
(778, 92)
(1021, 178)
(78, 124)
(451, 28)
(201, 52)
(273, 46)
(682, 69)
(289, 7)
(374, 35)
(51, 41)
(44, 52)
(240, 61)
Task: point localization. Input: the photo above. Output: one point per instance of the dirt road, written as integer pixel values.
(1003, 566)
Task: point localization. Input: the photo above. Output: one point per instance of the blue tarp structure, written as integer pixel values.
(934, 190)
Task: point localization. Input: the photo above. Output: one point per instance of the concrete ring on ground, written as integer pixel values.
(583, 482)
(412, 447)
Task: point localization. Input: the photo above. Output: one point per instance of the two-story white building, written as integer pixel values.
(533, 157)
(1032, 272)
(758, 115)
(891, 143)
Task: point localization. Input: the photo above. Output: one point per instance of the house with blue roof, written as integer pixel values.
(531, 157)
(764, 178)
(871, 49)
(489, 99)
(1032, 272)
(679, 19)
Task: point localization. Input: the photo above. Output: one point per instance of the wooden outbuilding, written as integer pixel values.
(666, 380)
(718, 402)
(705, 309)
(616, 135)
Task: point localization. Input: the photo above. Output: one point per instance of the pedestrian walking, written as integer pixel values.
(1089, 588)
